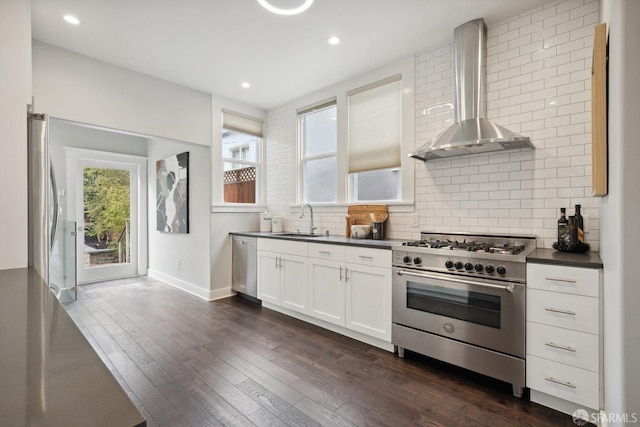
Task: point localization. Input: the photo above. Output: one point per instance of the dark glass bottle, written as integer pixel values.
(573, 230)
(564, 237)
(579, 224)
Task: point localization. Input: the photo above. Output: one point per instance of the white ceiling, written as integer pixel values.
(214, 45)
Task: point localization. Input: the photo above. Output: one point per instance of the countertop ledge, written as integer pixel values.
(330, 239)
(51, 376)
(569, 259)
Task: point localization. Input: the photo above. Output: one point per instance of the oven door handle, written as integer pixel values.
(508, 288)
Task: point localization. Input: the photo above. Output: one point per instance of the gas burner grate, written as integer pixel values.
(473, 246)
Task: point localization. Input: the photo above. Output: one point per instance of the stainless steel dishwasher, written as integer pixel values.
(244, 265)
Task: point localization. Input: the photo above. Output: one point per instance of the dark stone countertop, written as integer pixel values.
(332, 240)
(569, 259)
(51, 376)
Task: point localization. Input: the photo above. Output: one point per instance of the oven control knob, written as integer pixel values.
(458, 265)
(417, 261)
(478, 267)
(406, 259)
(468, 266)
(489, 268)
(449, 264)
(501, 270)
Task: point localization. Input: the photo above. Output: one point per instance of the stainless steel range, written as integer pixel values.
(460, 298)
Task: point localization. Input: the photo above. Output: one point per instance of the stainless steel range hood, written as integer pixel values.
(471, 133)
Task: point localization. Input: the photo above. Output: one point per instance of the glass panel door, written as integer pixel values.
(107, 221)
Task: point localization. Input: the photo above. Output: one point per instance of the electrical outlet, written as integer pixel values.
(415, 220)
(178, 264)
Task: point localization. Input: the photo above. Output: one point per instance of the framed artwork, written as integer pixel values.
(172, 194)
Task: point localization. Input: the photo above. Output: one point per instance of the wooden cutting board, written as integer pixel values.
(361, 215)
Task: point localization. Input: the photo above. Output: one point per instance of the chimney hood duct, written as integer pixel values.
(471, 133)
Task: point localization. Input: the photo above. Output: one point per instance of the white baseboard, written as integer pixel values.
(206, 294)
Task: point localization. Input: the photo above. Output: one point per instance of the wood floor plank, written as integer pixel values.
(318, 395)
(277, 406)
(321, 414)
(223, 388)
(188, 362)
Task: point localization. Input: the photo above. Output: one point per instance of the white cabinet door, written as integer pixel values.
(368, 300)
(326, 290)
(294, 274)
(268, 277)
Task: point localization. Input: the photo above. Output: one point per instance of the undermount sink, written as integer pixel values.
(297, 235)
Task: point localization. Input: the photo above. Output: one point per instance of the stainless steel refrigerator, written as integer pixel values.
(52, 251)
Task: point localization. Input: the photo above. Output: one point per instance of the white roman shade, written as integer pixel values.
(375, 125)
(241, 123)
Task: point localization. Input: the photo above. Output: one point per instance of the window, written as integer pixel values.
(318, 135)
(351, 145)
(241, 158)
(375, 138)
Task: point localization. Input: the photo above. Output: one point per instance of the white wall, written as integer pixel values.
(533, 59)
(192, 249)
(74, 87)
(619, 211)
(15, 87)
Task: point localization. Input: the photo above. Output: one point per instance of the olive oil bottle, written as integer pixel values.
(564, 237)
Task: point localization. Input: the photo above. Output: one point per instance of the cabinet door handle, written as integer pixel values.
(558, 279)
(561, 347)
(324, 252)
(564, 383)
(365, 257)
(341, 273)
(557, 310)
(276, 259)
(280, 262)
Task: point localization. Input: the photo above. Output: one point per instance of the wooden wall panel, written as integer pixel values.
(599, 111)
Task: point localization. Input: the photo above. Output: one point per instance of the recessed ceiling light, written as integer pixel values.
(334, 40)
(71, 19)
(246, 85)
(280, 11)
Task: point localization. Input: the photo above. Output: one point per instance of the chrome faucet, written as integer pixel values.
(311, 226)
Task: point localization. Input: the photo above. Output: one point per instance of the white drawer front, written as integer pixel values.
(563, 310)
(284, 246)
(571, 280)
(328, 252)
(573, 348)
(566, 382)
(368, 256)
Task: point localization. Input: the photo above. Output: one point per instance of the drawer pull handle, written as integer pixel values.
(324, 252)
(561, 347)
(365, 257)
(557, 310)
(557, 279)
(564, 383)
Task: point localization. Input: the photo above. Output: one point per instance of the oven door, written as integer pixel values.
(483, 312)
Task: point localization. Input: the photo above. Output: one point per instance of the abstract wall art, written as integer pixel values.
(172, 197)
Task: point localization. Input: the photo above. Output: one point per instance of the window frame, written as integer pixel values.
(302, 159)
(219, 204)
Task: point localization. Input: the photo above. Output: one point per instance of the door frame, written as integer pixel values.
(79, 157)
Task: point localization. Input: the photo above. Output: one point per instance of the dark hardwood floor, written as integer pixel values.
(188, 362)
